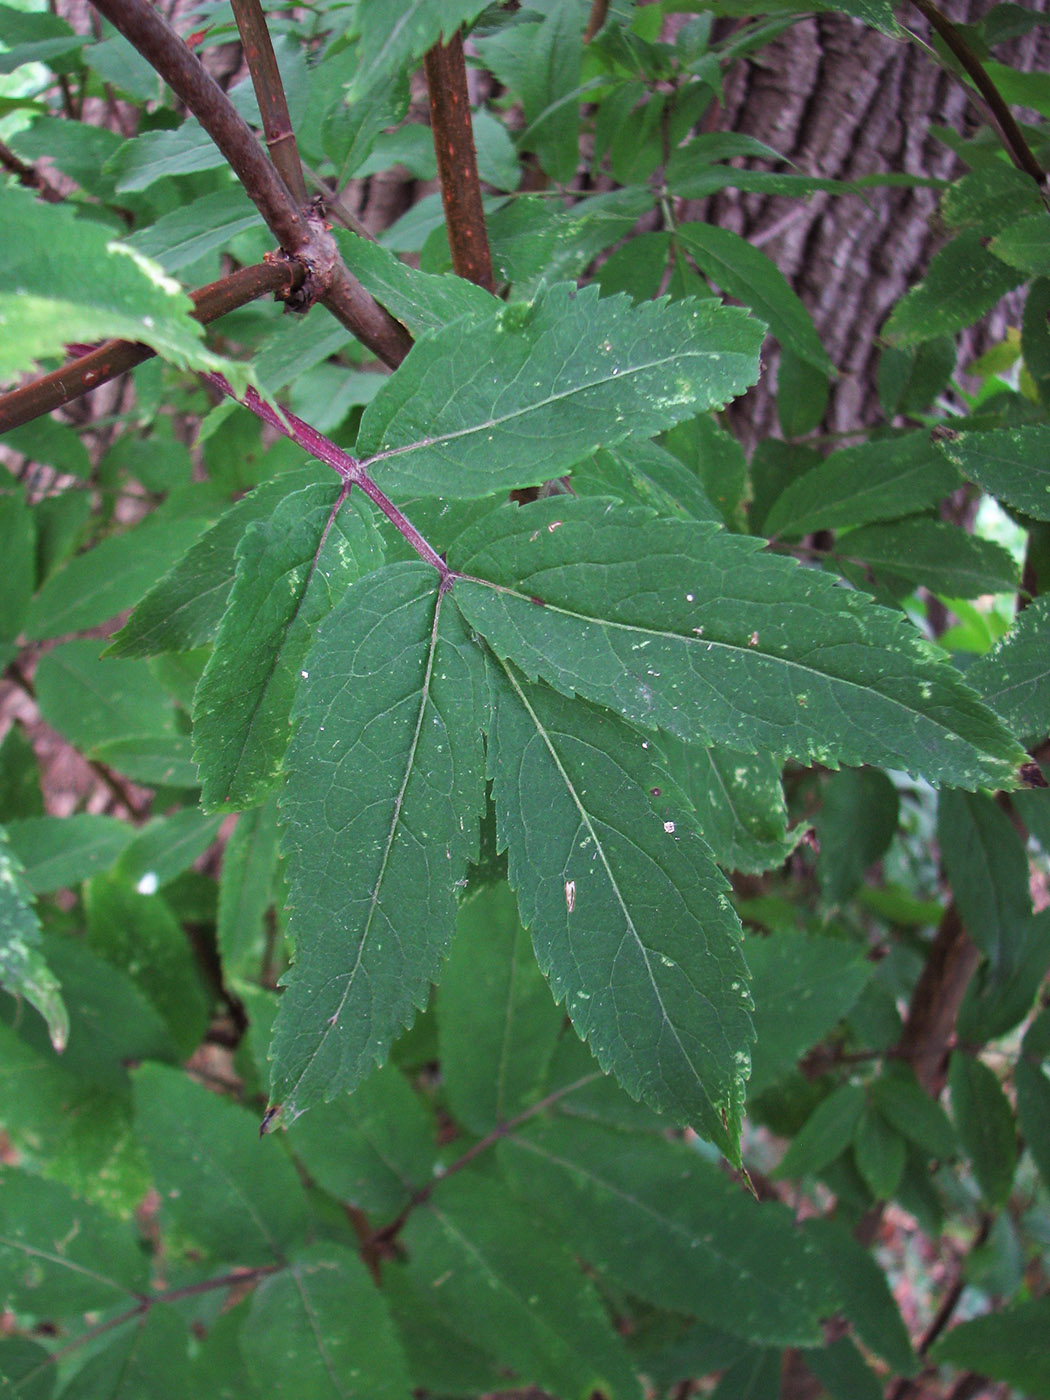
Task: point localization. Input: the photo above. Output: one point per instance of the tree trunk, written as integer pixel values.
(840, 100)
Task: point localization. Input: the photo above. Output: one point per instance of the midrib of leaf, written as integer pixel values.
(534, 407)
(388, 846)
(315, 1328)
(70, 1264)
(246, 730)
(702, 644)
(598, 846)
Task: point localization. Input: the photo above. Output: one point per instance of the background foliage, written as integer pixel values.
(705, 786)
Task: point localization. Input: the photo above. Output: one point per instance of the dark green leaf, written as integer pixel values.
(1009, 1346)
(385, 782)
(374, 1148)
(986, 1125)
(963, 282)
(864, 1293)
(1014, 678)
(146, 1360)
(879, 1152)
(18, 551)
(879, 480)
(627, 910)
(34, 38)
(985, 861)
(480, 407)
(802, 394)
(1011, 463)
(183, 610)
(246, 891)
(23, 969)
(290, 571)
(497, 1024)
(673, 1229)
(236, 1196)
(826, 1134)
(62, 851)
(515, 1290)
(910, 379)
(1033, 1110)
(157, 155)
(26, 1370)
(160, 760)
(643, 474)
(139, 934)
(856, 823)
(390, 43)
(420, 300)
(89, 700)
(843, 1372)
(802, 985)
(912, 1111)
(1035, 337)
(692, 629)
(740, 802)
(60, 1256)
(320, 1330)
(935, 554)
(745, 272)
(187, 233)
(165, 847)
(1025, 245)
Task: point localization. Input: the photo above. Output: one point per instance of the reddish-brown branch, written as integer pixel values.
(113, 357)
(935, 1002)
(457, 162)
(28, 175)
(300, 235)
(269, 90)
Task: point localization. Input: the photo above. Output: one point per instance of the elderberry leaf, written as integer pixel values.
(682, 626)
(290, 571)
(380, 816)
(478, 407)
(628, 912)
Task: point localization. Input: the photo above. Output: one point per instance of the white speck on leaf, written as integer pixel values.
(570, 895)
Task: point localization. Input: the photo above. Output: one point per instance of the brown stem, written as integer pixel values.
(1018, 148)
(458, 162)
(28, 175)
(299, 235)
(269, 90)
(935, 1002)
(86, 372)
(596, 18)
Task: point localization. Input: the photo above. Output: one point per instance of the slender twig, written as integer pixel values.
(498, 1133)
(930, 1023)
(239, 1277)
(28, 175)
(113, 357)
(1018, 148)
(325, 450)
(596, 18)
(269, 90)
(300, 235)
(458, 162)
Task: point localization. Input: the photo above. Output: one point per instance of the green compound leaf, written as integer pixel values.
(673, 1229)
(380, 817)
(320, 1330)
(627, 909)
(479, 408)
(1011, 463)
(740, 802)
(685, 627)
(23, 970)
(963, 282)
(183, 610)
(747, 273)
(391, 40)
(1014, 678)
(290, 571)
(497, 1025)
(1009, 1346)
(60, 1255)
(65, 279)
(880, 480)
(515, 1290)
(237, 1197)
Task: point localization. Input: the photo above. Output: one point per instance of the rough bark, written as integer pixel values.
(840, 100)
